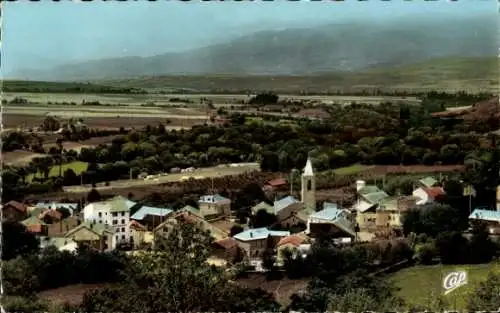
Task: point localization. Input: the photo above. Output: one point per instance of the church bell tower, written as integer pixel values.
(308, 194)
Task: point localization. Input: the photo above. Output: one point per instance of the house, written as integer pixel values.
(151, 216)
(114, 212)
(139, 234)
(490, 217)
(427, 182)
(296, 244)
(35, 226)
(187, 217)
(214, 206)
(227, 249)
(96, 235)
(331, 221)
(71, 207)
(62, 226)
(275, 184)
(498, 198)
(368, 197)
(254, 242)
(427, 194)
(286, 210)
(61, 243)
(14, 211)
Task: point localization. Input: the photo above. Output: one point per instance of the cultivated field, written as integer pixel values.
(201, 173)
(77, 166)
(418, 284)
(19, 157)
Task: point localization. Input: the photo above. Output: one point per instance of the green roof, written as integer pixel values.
(305, 213)
(428, 181)
(390, 203)
(59, 242)
(36, 212)
(369, 189)
(376, 197)
(34, 220)
(98, 228)
(263, 206)
(120, 204)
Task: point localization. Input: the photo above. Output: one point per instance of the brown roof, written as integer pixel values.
(227, 243)
(294, 240)
(52, 213)
(406, 203)
(16, 205)
(136, 225)
(277, 182)
(433, 192)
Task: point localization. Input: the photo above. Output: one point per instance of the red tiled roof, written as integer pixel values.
(277, 182)
(227, 243)
(433, 192)
(294, 240)
(16, 205)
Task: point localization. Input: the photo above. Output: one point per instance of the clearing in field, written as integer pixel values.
(420, 283)
(352, 169)
(77, 166)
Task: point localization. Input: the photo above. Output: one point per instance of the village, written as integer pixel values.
(120, 223)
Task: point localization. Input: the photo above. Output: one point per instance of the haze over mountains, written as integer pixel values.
(350, 46)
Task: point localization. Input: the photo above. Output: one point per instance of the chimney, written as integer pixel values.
(360, 184)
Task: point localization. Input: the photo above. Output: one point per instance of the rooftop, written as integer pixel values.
(308, 169)
(292, 240)
(375, 197)
(33, 220)
(55, 205)
(148, 210)
(485, 215)
(259, 233)
(428, 181)
(98, 228)
(16, 205)
(277, 182)
(120, 204)
(283, 203)
(369, 189)
(330, 214)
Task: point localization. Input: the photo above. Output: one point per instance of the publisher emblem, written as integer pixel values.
(454, 280)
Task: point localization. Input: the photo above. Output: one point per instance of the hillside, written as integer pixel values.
(446, 74)
(354, 46)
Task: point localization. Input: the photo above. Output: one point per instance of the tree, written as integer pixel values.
(236, 229)
(360, 300)
(93, 195)
(70, 178)
(263, 219)
(175, 278)
(17, 240)
(486, 297)
(482, 249)
(452, 247)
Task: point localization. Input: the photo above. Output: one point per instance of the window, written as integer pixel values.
(100, 222)
(105, 237)
(114, 214)
(100, 214)
(123, 222)
(309, 185)
(115, 222)
(123, 237)
(123, 229)
(123, 213)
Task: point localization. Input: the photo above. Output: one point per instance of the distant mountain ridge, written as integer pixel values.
(355, 46)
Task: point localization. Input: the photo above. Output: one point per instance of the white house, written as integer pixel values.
(427, 195)
(115, 213)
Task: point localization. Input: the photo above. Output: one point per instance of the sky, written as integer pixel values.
(39, 35)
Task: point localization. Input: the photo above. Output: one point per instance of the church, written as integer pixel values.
(291, 212)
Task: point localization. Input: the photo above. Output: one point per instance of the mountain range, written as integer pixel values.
(338, 47)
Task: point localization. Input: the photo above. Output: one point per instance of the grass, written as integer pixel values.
(77, 166)
(418, 284)
(351, 169)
